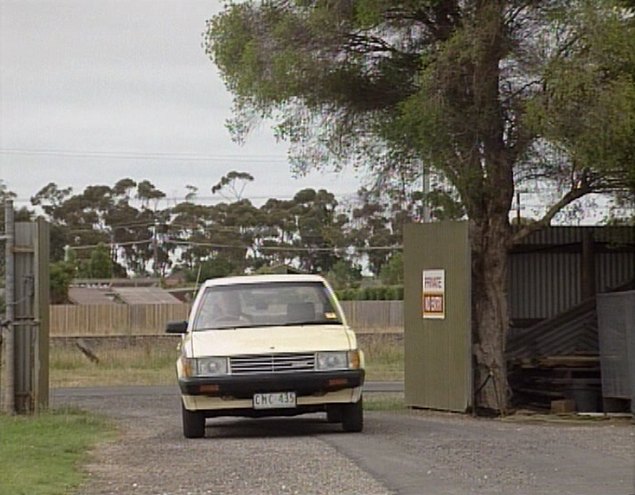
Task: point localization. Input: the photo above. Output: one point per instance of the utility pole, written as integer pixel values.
(427, 217)
(8, 403)
(155, 248)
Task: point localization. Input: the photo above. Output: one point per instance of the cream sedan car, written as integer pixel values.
(268, 345)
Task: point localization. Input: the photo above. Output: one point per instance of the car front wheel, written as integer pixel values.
(353, 416)
(193, 423)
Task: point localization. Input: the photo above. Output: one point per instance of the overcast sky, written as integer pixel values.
(95, 91)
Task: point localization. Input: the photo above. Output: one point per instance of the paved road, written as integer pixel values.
(413, 453)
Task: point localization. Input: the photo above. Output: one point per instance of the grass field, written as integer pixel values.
(384, 357)
(138, 363)
(151, 362)
(42, 455)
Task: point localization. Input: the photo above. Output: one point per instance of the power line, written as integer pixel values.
(134, 155)
(216, 199)
(289, 248)
(242, 246)
(116, 244)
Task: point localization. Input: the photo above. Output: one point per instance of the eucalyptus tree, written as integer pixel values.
(129, 233)
(75, 220)
(107, 215)
(233, 225)
(492, 93)
(277, 228)
(232, 185)
(189, 229)
(319, 229)
(370, 229)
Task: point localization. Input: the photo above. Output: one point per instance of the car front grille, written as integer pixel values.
(272, 363)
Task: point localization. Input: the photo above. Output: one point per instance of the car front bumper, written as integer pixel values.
(236, 392)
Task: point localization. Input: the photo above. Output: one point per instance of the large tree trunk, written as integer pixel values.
(489, 312)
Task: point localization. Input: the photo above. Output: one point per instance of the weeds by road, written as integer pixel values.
(151, 362)
(148, 362)
(41, 455)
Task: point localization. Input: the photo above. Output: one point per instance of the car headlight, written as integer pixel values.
(211, 366)
(332, 360)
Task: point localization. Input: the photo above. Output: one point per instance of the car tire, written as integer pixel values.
(193, 423)
(334, 413)
(353, 416)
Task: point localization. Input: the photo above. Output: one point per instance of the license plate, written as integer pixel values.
(274, 401)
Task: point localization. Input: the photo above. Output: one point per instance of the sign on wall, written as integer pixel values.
(433, 294)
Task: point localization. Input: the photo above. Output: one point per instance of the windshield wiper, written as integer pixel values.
(311, 322)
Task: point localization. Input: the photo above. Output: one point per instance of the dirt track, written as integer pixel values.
(413, 453)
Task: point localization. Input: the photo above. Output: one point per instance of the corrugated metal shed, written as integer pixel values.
(557, 268)
(562, 236)
(543, 284)
(573, 332)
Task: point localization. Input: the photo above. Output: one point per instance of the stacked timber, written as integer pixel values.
(561, 381)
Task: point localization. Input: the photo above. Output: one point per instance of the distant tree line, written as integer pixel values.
(121, 231)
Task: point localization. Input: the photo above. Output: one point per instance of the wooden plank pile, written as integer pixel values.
(557, 383)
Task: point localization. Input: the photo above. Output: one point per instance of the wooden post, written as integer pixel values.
(8, 403)
(42, 304)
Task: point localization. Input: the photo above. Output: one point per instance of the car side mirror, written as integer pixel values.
(176, 327)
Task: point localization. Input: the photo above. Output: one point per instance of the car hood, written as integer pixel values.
(269, 340)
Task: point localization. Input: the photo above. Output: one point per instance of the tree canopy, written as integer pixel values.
(388, 85)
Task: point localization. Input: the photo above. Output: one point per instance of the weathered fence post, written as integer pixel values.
(25, 324)
(8, 336)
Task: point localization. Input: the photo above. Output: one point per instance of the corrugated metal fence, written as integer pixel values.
(616, 318)
(150, 319)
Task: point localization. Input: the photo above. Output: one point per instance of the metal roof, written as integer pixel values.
(562, 235)
(91, 295)
(144, 295)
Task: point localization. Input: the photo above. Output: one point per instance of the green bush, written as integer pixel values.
(391, 293)
(381, 293)
(349, 294)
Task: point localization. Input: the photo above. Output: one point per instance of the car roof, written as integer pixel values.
(259, 279)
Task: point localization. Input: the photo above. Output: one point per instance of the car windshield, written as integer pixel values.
(265, 304)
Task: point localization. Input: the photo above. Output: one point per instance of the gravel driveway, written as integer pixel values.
(418, 453)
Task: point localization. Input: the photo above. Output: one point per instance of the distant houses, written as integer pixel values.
(119, 291)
